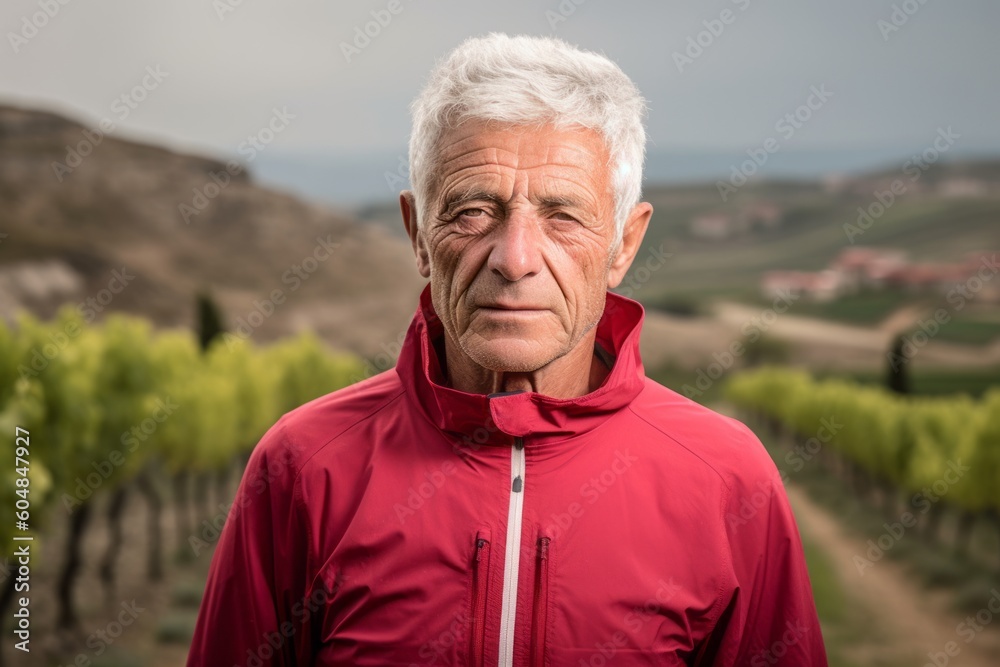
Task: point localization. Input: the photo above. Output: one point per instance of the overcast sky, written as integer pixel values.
(226, 71)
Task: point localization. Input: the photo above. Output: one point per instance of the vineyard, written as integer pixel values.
(116, 408)
(917, 458)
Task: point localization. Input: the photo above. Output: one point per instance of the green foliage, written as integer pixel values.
(104, 402)
(909, 442)
(307, 371)
(933, 381)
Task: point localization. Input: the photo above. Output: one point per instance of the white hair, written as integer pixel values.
(525, 80)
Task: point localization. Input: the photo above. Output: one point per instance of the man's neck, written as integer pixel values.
(575, 374)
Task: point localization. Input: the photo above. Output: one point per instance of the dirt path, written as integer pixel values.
(915, 621)
(902, 319)
(834, 340)
(691, 342)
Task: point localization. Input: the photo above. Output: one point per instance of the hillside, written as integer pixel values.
(120, 209)
(123, 210)
(933, 219)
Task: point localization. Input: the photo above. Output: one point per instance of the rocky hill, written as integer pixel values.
(109, 224)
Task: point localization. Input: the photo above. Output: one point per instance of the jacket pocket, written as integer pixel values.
(480, 593)
(540, 611)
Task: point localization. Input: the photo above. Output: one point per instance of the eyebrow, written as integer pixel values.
(456, 199)
(559, 201)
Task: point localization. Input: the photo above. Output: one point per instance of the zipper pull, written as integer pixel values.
(518, 483)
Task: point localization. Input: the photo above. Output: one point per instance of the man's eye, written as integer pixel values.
(473, 213)
(560, 215)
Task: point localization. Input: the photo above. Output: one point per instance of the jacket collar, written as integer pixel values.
(497, 418)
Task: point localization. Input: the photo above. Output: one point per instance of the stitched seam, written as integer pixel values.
(347, 428)
(722, 477)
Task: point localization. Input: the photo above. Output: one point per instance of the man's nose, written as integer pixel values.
(517, 249)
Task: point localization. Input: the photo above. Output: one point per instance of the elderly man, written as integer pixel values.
(515, 491)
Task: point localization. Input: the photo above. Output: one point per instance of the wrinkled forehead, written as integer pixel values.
(487, 149)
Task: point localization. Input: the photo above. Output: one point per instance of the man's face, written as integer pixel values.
(516, 241)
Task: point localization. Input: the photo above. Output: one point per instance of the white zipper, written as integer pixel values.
(512, 558)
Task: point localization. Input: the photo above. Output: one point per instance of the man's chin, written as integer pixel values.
(509, 355)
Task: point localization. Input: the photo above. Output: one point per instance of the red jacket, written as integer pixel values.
(401, 522)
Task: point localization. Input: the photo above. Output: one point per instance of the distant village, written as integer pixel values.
(856, 268)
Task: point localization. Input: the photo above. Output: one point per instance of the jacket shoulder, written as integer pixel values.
(304, 431)
(723, 443)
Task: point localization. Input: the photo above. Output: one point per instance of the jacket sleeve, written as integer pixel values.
(768, 615)
(256, 609)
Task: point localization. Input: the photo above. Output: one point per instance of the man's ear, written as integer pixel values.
(408, 207)
(635, 230)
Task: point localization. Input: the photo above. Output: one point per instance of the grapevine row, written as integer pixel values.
(902, 451)
(116, 408)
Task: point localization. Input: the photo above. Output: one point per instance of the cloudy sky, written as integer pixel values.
(897, 70)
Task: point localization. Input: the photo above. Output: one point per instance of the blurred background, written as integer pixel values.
(199, 230)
